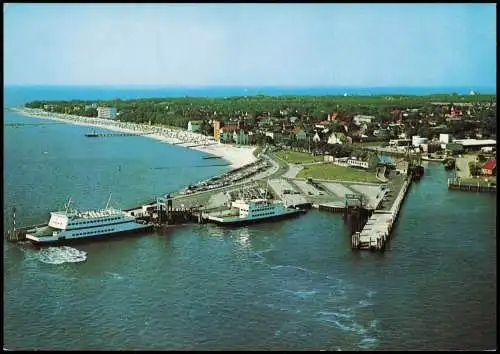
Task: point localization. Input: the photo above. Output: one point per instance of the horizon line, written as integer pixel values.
(245, 86)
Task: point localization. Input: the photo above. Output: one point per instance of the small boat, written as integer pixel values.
(434, 159)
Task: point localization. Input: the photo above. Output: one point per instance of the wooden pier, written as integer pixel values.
(456, 184)
(106, 135)
(376, 232)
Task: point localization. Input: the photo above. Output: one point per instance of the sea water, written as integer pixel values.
(294, 284)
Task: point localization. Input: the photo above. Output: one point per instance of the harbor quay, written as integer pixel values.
(471, 186)
(376, 232)
(380, 201)
(268, 183)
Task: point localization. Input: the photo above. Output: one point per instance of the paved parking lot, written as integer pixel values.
(280, 185)
(307, 189)
(338, 189)
(372, 193)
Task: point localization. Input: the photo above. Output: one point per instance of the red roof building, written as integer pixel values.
(489, 167)
(229, 128)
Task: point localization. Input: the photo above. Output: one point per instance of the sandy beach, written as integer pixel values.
(237, 156)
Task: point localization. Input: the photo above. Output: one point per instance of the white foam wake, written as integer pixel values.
(60, 255)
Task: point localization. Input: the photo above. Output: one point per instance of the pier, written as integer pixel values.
(456, 184)
(370, 209)
(161, 213)
(376, 232)
(106, 135)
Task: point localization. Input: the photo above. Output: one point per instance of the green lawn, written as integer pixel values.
(334, 172)
(297, 157)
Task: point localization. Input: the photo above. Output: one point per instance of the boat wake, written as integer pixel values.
(308, 295)
(61, 255)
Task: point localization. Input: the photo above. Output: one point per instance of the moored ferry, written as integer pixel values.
(434, 159)
(253, 211)
(69, 226)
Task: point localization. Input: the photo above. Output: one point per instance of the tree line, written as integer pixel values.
(178, 111)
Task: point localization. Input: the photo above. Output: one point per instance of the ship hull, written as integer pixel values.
(89, 239)
(243, 222)
(431, 159)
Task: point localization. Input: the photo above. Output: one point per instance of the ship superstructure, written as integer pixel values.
(74, 225)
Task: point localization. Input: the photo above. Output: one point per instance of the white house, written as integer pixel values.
(358, 119)
(333, 139)
(444, 139)
(350, 162)
(194, 126)
(106, 112)
(417, 140)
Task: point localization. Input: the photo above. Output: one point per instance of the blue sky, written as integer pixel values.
(251, 44)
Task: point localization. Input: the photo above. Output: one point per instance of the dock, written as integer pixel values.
(376, 232)
(106, 135)
(370, 209)
(456, 184)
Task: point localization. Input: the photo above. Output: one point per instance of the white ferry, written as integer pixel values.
(70, 225)
(253, 211)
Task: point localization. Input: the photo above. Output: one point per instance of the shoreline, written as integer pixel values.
(237, 156)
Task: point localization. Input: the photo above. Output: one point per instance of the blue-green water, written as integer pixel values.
(288, 285)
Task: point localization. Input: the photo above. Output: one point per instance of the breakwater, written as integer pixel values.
(376, 232)
(107, 135)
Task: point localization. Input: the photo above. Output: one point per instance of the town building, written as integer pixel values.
(358, 119)
(383, 160)
(475, 144)
(334, 138)
(194, 125)
(216, 125)
(417, 140)
(299, 134)
(226, 133)
(489, 167)
(106, 112)
(240, 137)
(400, 142)
(348, 162)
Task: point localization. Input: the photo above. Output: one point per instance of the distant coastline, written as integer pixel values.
(236, 156)
(102, 92)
